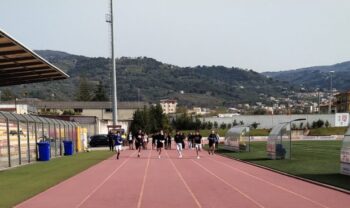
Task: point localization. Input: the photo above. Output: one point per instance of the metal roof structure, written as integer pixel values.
(20, 65)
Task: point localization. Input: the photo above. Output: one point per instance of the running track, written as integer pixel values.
(212, 181)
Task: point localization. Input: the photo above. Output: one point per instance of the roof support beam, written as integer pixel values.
(4, 45)
(12, 60)
(8, 66)
(25, 73)
(16, 52)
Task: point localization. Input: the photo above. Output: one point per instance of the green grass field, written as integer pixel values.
(265, 132)
(328, 131)
(23, 182)
(315, 160)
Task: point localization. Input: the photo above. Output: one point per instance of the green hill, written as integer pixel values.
(317, 76)
(202, 85)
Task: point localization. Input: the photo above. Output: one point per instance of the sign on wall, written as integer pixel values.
(341, 119)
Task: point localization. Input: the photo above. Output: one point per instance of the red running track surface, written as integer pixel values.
(211, 181)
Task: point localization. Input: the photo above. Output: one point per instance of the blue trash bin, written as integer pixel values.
(44, 151)
(68, 147)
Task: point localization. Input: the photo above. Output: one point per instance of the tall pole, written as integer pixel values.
(114, 74)
(331, 98)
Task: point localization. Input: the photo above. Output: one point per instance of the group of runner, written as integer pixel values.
(161, 140)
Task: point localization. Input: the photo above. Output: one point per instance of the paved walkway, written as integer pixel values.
(212, 181)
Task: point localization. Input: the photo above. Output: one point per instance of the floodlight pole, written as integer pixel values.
(114, 74)
(331, 98)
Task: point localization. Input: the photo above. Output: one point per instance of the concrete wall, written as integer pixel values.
(123, 114)
(268, 121)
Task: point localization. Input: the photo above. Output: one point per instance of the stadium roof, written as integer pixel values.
(20, 65)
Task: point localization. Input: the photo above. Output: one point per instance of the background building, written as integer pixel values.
(343, 102)
(168, 106)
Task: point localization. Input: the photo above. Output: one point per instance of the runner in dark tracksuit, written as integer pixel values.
(110, 140)
(160, 142)
(139, 142)
(212, 140)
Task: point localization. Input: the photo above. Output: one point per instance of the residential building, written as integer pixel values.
(343, 102)
(198, 111)
(168, 106)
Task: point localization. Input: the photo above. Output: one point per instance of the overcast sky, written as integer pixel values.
(263, 35)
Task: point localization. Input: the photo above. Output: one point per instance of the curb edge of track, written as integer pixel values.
(289, 175)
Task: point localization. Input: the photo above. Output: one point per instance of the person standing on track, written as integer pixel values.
(160, 142)
(154, 139)
(118, 141)
(168, 140)
(183, 137)
(145, 140)
(217, 141)
(110, 140)
(212, 140)
(131, 141)
(178, 140)
(138, 142)
(190, 140)
(197, 138)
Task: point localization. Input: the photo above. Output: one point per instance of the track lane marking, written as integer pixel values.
(230, 185)
(183, 181)
(104, 181)
(271, 184)
(144, 181)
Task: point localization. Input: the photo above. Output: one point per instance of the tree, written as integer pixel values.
(137, 122)
(7, 95)
(234, 123)
(84, 90)
(150, 120)
(216, 125)
(255, 125)
(229, 126)
(327, 124)
(301, 125)
(100, 93)
(209, 125)
(320, 123)
(223, 126)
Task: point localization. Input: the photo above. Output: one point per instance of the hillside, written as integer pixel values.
(316, 77)
(202, 85)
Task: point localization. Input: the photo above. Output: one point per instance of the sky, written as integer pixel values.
(263, 35)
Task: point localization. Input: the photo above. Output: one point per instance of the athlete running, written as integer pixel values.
(178, 140)
(138, 142)
(212, 140)
(197, 138)
(160, 142)
(118, 141)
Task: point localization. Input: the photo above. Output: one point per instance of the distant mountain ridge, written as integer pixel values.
(317, 76)
(149, 80)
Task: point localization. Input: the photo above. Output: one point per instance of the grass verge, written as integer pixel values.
(314, 160)
(21, 183)
(328, 131)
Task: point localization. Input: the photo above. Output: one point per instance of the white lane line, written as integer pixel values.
(230, 185)
(104, 181)
(184, 182)
(271, 184)
(144, 181)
